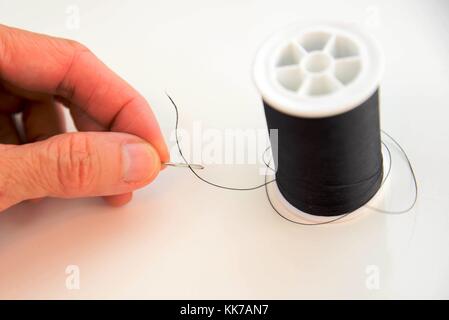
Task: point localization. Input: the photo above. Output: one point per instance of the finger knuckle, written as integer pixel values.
(9, 176)
(5, 180)
(71, 58)
(77, 46)
(75, 164)
(5, 44)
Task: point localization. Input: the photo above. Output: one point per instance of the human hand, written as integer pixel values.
(119, 149)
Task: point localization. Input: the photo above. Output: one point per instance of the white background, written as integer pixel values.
(180, 238)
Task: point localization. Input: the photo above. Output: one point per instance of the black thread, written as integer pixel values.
(193, 171)
(333, 164)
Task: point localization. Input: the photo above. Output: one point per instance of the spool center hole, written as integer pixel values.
(317, 62)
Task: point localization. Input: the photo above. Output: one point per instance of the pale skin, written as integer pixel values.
(118, 149)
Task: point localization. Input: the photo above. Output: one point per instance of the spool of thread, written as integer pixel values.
(320, 88)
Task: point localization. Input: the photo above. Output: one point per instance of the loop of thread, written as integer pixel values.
(375, 177)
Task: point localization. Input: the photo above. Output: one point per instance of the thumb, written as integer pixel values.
(76, 165)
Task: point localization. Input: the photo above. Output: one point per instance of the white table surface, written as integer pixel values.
(180, 238)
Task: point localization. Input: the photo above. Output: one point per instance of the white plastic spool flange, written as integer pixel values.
(317, 70)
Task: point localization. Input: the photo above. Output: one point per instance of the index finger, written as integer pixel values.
(65, 68)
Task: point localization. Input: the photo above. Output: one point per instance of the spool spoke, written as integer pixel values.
(330, 45)
(335, 82)
(303, 90)
(302, 52)
(291, 55)
(343, 47)
(290, 76)
(323, 85)
(347, 69)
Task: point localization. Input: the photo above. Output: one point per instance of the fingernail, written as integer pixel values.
(139, 161)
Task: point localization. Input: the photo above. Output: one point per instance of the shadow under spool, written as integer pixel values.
(328, 166)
